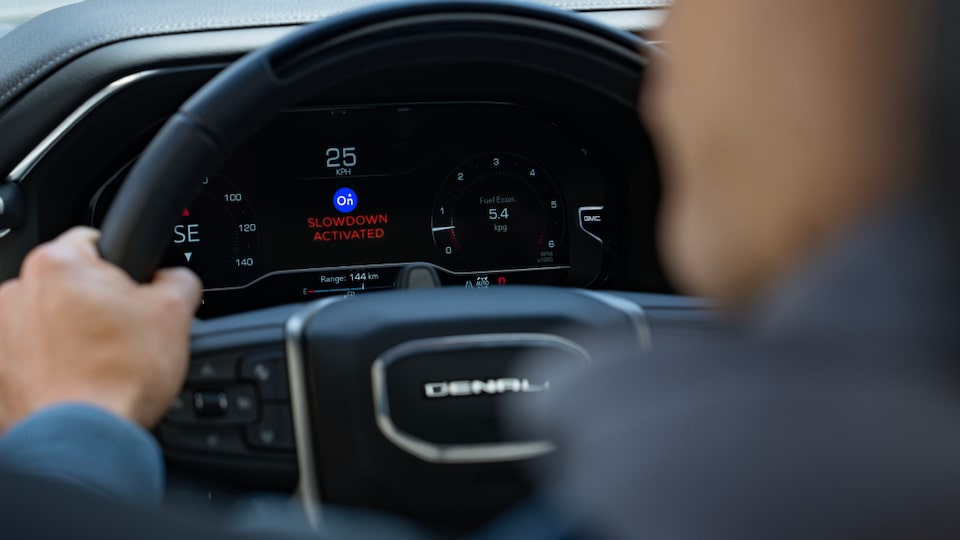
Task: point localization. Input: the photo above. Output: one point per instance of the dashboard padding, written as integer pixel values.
(41, 46)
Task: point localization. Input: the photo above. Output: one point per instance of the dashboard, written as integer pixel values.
(330, 201)
(517, 180)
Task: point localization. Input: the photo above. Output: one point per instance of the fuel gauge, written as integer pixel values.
(350, 282)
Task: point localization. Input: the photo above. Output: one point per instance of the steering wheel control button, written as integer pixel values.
(216, 440)
(233, 404)
(243, 404)
(210, 404)
(181, 409)
(269, 372)
(220, 368)
(274, 431)
(593, 222)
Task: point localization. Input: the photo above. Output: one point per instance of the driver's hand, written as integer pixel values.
(75, 328)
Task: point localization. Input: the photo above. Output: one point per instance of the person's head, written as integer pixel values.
(780, 123)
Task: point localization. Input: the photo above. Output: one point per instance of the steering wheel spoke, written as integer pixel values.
(234, 412)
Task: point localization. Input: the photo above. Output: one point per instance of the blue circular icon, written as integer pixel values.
(345, 200)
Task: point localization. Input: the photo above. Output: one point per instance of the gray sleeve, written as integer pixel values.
(87, 446)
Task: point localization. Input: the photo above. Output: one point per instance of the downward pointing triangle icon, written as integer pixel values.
(187, 255)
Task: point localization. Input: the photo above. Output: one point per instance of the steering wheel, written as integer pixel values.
(397, 400)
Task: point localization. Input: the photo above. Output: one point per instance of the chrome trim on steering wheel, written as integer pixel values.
(460, 453)
(294, 334)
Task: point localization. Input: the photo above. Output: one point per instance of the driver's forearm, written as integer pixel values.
(88, 446)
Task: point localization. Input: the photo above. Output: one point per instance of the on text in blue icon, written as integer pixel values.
(345, 200)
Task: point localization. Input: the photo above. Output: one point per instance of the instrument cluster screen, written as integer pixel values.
(335, 201)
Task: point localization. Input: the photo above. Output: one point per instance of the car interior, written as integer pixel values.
(403, 215)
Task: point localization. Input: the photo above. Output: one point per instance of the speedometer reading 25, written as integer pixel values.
(498, 211)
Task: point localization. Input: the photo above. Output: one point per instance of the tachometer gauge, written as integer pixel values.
(216, 236)
(499, 211)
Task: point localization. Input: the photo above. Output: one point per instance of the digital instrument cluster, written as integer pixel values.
(336, 201)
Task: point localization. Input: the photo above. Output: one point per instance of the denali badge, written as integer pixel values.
(478, 387)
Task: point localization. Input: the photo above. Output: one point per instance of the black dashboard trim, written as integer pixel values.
(58, 37)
